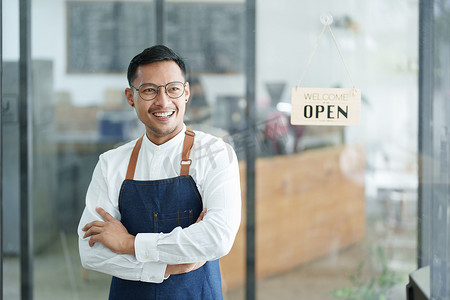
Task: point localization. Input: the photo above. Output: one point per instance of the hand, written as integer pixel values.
(201, 216)
(182, 268)
(185, 268)
(110, 232)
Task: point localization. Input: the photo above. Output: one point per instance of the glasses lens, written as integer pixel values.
(175, 89)
(148, 91)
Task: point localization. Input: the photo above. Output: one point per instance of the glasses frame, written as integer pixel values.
(157, 90)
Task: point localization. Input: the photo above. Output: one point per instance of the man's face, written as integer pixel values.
(162, 116)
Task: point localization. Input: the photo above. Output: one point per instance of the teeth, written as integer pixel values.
(163, 114)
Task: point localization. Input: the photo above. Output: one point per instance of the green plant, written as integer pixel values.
(374, 288)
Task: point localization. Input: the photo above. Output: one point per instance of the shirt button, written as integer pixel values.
(152, 278)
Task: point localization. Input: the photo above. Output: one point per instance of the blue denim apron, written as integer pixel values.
(160, 206)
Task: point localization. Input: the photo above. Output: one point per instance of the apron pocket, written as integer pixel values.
(166, 222)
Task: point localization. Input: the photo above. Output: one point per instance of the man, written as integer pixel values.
(159, 207)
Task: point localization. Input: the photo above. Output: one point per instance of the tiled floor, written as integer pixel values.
(58, 274)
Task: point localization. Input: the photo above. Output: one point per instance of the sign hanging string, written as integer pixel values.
(326, 24)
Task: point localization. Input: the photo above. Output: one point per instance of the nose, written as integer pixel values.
(162, 99)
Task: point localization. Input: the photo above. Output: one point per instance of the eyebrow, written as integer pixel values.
(151, 83)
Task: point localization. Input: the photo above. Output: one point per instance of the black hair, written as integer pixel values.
(153, 54)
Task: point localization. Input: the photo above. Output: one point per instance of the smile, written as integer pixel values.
(163, 115)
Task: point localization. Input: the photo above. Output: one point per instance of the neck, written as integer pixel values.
(159, 139)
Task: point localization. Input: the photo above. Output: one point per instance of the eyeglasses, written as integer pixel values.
(149, 91)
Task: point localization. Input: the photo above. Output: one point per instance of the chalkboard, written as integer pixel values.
(105, 36)
(210, 36)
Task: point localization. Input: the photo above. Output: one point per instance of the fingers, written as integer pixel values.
(183, 268)
(92, 241)
(93, 224)
(104, 214)
(201, 264)
(93, 233)
(192, 267)
(93, 228)
(202, 215)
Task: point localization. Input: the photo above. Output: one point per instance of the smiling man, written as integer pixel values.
(162, 209)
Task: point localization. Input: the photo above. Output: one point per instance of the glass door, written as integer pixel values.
(338, 209)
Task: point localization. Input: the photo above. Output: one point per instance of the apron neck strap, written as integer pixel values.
(133, 159)
(187, 146)
(185, 160)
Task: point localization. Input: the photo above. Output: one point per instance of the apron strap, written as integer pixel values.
(133, 159)
(185, 160)
(187, 146)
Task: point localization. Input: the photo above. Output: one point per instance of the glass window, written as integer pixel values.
(336, 206)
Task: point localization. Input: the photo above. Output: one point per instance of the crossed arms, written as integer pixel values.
(113, 235)
(106, 246)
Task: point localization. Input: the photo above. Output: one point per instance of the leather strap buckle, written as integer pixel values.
(186, 162)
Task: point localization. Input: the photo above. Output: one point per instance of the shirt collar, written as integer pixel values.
(176, 140)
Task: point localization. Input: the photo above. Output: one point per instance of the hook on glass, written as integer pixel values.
(326, 19)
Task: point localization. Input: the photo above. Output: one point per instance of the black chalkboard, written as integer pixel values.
(209, 36)
(104, 36)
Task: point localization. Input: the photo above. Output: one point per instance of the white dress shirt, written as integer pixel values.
(215, 170)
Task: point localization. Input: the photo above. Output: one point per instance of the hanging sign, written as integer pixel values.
(325, 106)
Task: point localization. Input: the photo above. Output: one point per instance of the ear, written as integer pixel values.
(130, 96)
(187, 92)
